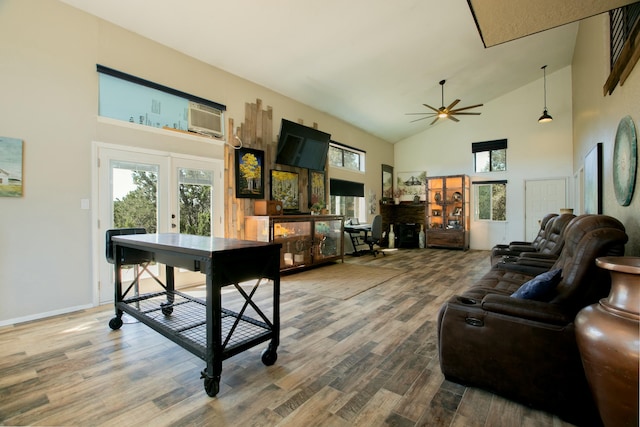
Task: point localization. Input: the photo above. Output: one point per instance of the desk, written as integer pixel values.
(202, 327)
(354, 233)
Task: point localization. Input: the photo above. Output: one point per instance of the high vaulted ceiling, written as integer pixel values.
(367, 62)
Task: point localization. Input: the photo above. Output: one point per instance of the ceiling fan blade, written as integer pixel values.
(467, 114)
(421, 118)
(413, 114)
(434, 120)
(434, 109)
(467, 108)
(452, 118)
(453, 104)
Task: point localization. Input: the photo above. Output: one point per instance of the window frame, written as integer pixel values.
(345, 148)
(477, 199)
(491, 147)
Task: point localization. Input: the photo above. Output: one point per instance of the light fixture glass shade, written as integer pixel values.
(545, 117)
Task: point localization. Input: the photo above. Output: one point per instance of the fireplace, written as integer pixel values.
(408, 235)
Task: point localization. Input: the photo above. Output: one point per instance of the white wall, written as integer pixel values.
(49, 88)
(596, 117)
(535, 150)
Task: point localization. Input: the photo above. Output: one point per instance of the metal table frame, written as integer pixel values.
(203, 327)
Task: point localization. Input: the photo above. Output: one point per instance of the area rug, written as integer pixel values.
(340, 281)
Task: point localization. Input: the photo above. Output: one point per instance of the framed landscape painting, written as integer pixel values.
(316, 188)
(284, 187)
(411, 184)
(249, 173)
(10, 167)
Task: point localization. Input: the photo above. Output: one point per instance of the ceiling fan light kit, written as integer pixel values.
(446, 112)
(545, 117)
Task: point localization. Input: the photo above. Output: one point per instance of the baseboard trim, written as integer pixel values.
(39, 316)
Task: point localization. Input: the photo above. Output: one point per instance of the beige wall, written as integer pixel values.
(596, 117)
(49, 88)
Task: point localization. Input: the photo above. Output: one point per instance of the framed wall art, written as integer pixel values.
(249, 173)
(593, 180)
(10, 167)
(411, 184)
(317, 188)
(284, 187)
(387, 183)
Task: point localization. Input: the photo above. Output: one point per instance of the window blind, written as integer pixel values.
(499, 181)
(496, 144)
(339, 187)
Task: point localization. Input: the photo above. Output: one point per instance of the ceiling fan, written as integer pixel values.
(446, 112)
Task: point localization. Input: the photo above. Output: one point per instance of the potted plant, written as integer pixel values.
(318, 208)
(396, 195)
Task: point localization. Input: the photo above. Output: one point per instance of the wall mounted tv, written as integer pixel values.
(302, 146)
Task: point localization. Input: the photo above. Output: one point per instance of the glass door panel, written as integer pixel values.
(195, 188)
(161, 193)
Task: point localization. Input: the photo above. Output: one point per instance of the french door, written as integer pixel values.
(162, 192)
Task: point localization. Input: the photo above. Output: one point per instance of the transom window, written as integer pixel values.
(343, 156)
(490, 156)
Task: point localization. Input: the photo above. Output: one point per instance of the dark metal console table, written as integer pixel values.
(202, 327)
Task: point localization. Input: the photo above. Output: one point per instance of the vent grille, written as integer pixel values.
(205, 119)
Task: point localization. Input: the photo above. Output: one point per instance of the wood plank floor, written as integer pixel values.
(369, 360)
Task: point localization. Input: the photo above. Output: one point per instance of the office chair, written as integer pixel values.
(375, 236)
(137, 259)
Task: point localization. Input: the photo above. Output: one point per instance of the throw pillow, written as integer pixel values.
(541, 287)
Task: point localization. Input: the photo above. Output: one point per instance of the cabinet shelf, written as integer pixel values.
(447, 212)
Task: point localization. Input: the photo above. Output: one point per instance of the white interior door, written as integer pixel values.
(164, 193)
(542, 197)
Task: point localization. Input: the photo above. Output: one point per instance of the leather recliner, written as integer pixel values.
(514, 248)
(526, 349)
(549, 248)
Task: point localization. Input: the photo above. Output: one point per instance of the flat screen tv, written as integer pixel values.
(302, 146)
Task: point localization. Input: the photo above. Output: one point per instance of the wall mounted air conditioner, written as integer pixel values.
(205, 120)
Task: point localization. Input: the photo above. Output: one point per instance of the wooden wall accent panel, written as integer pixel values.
(255, 132)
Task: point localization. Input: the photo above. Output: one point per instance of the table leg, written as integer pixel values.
(116, 322)
(167, 307)
(213, 371)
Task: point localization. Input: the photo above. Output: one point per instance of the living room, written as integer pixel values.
(49, 86)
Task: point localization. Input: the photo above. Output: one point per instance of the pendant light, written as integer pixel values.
(545, 117)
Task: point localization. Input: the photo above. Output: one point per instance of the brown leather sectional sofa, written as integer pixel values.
(525, 349)
(546, 246)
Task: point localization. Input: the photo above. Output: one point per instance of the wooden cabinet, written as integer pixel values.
(307, 240)
(448, 211)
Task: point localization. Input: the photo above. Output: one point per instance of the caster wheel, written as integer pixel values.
(115, 323)
(211, 386)
(167, 308)
(269, 357)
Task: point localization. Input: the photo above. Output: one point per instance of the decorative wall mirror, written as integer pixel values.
(387, 183)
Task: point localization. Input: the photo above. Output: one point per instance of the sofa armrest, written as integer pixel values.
(511, 264)
(522, 248)
(526, 309)
(539, 256)
(519, 242)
